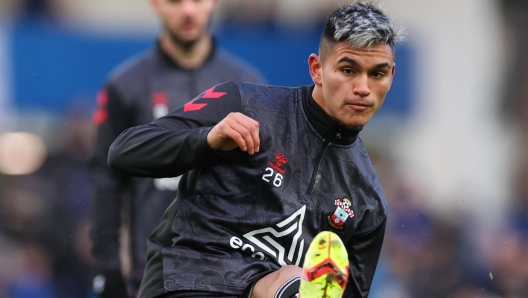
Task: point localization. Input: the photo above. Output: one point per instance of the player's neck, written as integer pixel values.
(189, 57)
(317, 95)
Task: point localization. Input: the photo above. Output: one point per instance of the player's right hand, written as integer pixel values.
(110, 284)
(235, 130)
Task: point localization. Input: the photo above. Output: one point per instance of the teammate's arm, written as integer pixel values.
(363, 253)
(189, 137)
(108, 186)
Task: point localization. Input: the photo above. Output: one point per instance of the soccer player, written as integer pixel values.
(184, 62)
(268, 170)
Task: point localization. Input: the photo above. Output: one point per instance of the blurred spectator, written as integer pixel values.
(69, 196)
(424, 254)
(45, 236)
(36, 278)
(509, 258)
(11, 260)
(45, 218)
(510, 265)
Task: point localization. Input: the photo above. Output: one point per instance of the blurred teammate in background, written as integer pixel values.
(183, 62)
(269, 171)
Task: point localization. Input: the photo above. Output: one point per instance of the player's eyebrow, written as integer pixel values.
(382, 65)
(355, 63)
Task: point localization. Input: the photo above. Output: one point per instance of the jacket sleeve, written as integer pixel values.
(363, 253)
(177, 142)
(108, 185)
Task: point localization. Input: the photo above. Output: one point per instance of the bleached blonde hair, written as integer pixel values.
(363, 24)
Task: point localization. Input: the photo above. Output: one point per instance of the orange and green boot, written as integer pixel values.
(325, 270)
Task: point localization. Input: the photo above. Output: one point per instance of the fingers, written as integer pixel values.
(245, 132)
(235, 130)
(242, 136)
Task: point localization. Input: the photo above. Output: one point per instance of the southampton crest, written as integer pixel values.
(341, 214)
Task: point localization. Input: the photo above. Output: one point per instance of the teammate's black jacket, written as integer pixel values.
(237, 216)
(138, 92)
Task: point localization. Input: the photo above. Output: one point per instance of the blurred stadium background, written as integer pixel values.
(450, 144)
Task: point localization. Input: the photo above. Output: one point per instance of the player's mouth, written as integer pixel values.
(188, 25)
(358, 106)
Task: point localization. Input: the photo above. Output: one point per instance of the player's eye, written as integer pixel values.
(378, 74)
(347, 71)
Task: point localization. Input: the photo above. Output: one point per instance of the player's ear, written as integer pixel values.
(315, 67)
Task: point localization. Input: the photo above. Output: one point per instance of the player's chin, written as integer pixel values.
(356, 121)
(189, 37)
(188, 34)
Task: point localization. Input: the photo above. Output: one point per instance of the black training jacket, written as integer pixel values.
(239, 216)
(141, 90)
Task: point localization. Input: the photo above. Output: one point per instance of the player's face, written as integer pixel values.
(351, 84)
(184, 20)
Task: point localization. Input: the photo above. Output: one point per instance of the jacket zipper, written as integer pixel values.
(316, 167)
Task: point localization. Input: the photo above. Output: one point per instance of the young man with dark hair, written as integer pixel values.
(184, 62)
(272, 171)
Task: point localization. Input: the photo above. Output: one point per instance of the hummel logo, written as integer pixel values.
(290, 229)
(210, 93)
(281, 160)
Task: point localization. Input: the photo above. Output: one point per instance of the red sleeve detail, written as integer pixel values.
(191, 106)
(101, 114)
